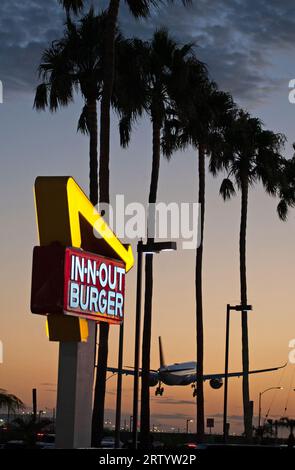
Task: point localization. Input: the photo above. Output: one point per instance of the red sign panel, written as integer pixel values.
(94, 286)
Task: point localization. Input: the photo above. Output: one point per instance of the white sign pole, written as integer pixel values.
(74, 397)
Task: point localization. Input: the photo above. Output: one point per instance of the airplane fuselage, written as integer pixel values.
(178, 374)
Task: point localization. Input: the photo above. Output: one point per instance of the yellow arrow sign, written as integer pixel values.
(65, 214)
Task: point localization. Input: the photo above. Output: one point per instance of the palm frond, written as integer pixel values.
(10, 401)
(141, 8)
(83, 124)
(227, 189)
(282, 210)
(41, 97)
(125, 125)
(72, 5)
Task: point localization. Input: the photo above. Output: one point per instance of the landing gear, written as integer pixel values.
(195, 390)
(159, 390)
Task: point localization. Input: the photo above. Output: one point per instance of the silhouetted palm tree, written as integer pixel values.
(75, 63)
(203, 115)
(11, 402)
(286, 187)
(138, 8)
(162, 66)
(252, 154)
(28, 428)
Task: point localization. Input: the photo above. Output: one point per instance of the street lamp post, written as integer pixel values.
(260, 395)
(239, 308)
(119, 387)
(137, 343)
(187, 424)
(130, 423)
(148, 248)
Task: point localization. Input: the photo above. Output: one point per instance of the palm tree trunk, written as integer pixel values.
(8, 414)
(243, 286)
(104, 197)
(93, 177)
(147, 323)
(199, 300)
(108, 82)
(93, 163)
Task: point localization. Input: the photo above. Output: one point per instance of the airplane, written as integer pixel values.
(184, 373)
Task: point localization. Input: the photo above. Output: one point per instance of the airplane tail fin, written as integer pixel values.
(162, 360)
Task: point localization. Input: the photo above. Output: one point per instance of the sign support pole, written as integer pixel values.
(74, 397)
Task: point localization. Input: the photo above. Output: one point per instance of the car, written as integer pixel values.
(14, 445)
(192, 445)
(46, 441)
(108, 442)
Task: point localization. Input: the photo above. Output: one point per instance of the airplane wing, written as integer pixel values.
(115, 370)
(129, 371)
(191, 378)
(240, 374)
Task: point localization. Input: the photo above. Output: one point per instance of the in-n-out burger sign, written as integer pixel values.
(67, 223)
(94, 286)
(74, 282)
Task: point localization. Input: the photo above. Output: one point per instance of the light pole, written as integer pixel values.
(130, 423)
(151, 248)
(34, 394)
(119, 387)
(239, 308)
(187, 423)
(260, 395)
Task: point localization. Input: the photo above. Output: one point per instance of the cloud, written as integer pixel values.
(26, 28)
(219, 417)
(47, 384)
(238, 39)
(172, 401)
(174, 416)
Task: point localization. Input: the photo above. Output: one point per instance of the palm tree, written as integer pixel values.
(11, 402)
(76, 63)
(252, 154)
(163, 66)
(28, 428)
(203, 116)
(139, 9)
(286, 187)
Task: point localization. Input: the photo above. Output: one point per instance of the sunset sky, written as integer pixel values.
(248, 47)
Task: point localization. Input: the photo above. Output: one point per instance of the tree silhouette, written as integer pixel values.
(139, 9)
(11, 402)
(204, 112)
(251, 155)
(164, 69)
(75, 63)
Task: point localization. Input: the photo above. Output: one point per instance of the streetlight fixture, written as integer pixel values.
(187, 424)
(150, 247)
(238, 308)
(260, 395)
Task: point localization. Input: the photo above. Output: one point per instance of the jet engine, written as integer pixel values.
(216, 383)
(153, 379)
